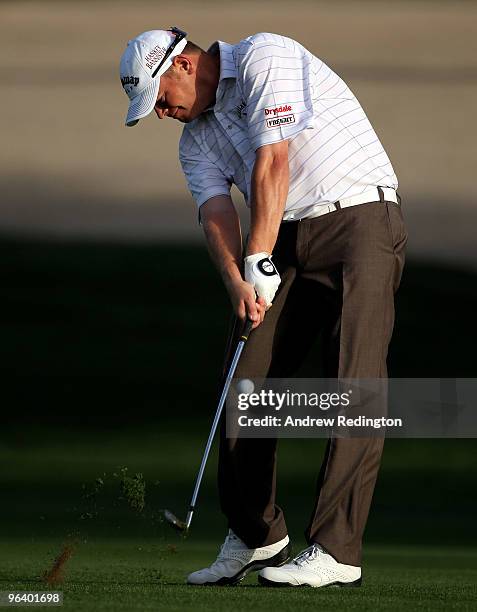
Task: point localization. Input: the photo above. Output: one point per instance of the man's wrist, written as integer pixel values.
(252, 257)
(231, 273)
(253, 249)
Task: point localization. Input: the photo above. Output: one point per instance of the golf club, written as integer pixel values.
(175, 522)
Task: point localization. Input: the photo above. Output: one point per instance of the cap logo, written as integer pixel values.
(130, 80)
(154, 56)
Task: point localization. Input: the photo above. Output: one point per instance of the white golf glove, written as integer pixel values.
(262, 274)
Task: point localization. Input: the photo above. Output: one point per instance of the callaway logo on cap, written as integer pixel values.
(147, 57)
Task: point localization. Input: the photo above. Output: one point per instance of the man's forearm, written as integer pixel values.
(270, 181)
(224, 240)
(223, 235)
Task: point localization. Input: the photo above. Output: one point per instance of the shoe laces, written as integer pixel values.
(231, 537)
(308, 555)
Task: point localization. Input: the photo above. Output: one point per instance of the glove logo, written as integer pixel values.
(266, 267)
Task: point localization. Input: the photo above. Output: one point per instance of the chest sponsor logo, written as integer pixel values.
(277, 121)
(278, 110)
(241, 109)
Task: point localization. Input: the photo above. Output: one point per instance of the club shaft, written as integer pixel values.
(223, 397)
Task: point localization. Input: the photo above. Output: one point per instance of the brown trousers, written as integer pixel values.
(339, 275)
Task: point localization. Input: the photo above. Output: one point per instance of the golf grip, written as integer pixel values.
(247, 328)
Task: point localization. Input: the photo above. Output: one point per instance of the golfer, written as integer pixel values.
(324, 255)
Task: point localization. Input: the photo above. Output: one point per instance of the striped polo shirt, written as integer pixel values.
(271, 89)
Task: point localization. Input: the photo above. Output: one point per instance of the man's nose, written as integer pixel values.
(160, 112)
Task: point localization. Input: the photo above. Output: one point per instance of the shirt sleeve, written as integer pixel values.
(275, 83)
(204, 179)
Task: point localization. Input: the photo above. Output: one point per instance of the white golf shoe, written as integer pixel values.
(235, 561)
(313, 567)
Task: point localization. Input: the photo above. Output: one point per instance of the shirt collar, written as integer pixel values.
(227, 61)
(227, 67)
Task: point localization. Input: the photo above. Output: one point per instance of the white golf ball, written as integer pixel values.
(245, 386)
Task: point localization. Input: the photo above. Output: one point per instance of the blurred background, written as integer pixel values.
(113, 320)
(69, 168)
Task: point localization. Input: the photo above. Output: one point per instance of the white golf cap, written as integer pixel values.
(138, 69)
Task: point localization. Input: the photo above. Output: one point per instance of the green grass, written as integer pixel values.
(140, 574)
(420, 552)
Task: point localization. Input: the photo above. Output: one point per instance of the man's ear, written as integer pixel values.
(182, 63)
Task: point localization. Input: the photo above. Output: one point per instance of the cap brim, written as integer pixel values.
(141, 105)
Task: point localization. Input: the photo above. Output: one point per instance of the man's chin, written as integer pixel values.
(190, 117)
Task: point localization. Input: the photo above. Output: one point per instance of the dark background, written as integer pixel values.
(106, 335)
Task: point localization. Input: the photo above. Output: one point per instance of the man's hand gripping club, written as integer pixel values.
(261, 273)
(251, 294)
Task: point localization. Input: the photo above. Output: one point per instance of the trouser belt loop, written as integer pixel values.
(338, 205)
(381, 195)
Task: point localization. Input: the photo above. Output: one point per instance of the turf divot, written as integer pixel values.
(130, 490)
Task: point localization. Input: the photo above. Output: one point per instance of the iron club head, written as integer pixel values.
(175, 522)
